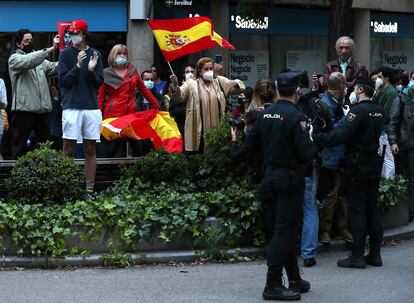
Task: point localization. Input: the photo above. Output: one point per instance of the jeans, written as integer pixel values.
(310, 219)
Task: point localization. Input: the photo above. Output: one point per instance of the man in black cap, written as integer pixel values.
(360, 133)
(283, 135)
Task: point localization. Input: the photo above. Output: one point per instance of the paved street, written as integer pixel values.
(239, 283)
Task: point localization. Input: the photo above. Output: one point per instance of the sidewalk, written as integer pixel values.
(394, 234)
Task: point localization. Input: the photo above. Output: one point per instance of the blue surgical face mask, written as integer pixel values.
(149, 84)
(121, 61)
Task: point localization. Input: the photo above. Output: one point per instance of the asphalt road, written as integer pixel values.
(242, 282)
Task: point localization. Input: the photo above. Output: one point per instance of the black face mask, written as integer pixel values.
(28, 48)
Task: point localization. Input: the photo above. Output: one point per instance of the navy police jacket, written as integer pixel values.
(282, 133)
(360, 133)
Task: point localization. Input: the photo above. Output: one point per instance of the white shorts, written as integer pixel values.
(78, 124)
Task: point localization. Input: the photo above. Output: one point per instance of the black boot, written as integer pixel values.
(275, 290)
(295, 281)
(356, 260)
(374, 256)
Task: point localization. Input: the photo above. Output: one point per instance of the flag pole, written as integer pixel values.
(170, 67)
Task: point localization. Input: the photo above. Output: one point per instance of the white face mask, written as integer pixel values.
(399, 87)
(378, 83)
(353, 98)
(208, 75)
(188, 76)
(76, 39)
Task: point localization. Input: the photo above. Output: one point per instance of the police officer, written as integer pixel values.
(360, 133)
(282, 133)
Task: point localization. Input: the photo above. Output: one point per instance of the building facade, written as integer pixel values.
(288, 34)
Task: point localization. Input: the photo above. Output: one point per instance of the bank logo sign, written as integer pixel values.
(249, 23)
(170, 3)
(385, 28)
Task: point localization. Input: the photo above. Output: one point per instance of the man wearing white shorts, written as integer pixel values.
(80, 75)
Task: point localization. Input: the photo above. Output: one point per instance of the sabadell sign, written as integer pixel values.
(381, 27)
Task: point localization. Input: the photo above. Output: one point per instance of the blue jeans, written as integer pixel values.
(310, 218)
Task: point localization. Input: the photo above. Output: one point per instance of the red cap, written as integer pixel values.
(78, 25)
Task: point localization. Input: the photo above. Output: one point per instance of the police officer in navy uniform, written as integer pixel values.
(360, 133)
(283, 135)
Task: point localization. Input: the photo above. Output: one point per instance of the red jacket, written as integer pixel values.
(116, 96)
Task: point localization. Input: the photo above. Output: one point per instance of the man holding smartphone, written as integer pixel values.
(80, 75)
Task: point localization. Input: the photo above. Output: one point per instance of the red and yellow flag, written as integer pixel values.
(179, 37)
(149, 124)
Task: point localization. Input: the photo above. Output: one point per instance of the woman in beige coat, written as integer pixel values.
(206, 101)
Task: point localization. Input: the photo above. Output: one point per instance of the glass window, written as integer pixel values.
(393, 52)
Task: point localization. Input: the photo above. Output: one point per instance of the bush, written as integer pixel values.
(392, 192)
(160, 166)
(45, 176)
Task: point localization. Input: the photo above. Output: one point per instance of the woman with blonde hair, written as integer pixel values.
(265, 92)
(116, 96)
(206, 101)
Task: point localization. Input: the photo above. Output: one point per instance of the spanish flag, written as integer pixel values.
(149, 124)
(180, 37)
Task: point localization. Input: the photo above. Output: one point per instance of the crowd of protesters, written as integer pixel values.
(334, 105)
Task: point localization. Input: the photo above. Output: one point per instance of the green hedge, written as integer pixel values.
(162, 195)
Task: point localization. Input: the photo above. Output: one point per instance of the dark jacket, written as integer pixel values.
(281, 132)
(401, 127)
(143, 104)
(360, 133)
(332, 155)
(353, 70)
(78, 86)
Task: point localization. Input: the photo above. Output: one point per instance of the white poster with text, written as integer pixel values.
(299, 60)
(249, 66)
(399, 59)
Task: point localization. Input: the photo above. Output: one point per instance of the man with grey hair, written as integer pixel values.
(345, 63)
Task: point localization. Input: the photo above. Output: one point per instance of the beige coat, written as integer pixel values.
(188, 92)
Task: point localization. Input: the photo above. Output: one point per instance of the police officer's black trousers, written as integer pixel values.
(282, 206)
(363, 212)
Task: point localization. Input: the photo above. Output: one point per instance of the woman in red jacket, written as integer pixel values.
(116, 96)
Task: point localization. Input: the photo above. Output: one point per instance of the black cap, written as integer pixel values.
(288, 79)
(364, 81)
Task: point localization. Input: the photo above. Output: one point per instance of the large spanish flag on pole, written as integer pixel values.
(183, 36)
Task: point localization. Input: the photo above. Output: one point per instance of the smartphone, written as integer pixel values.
(219, 59)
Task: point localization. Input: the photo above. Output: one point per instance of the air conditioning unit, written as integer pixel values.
(137, 10)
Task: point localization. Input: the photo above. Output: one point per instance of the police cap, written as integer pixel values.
(288, 79)
(364, 81)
